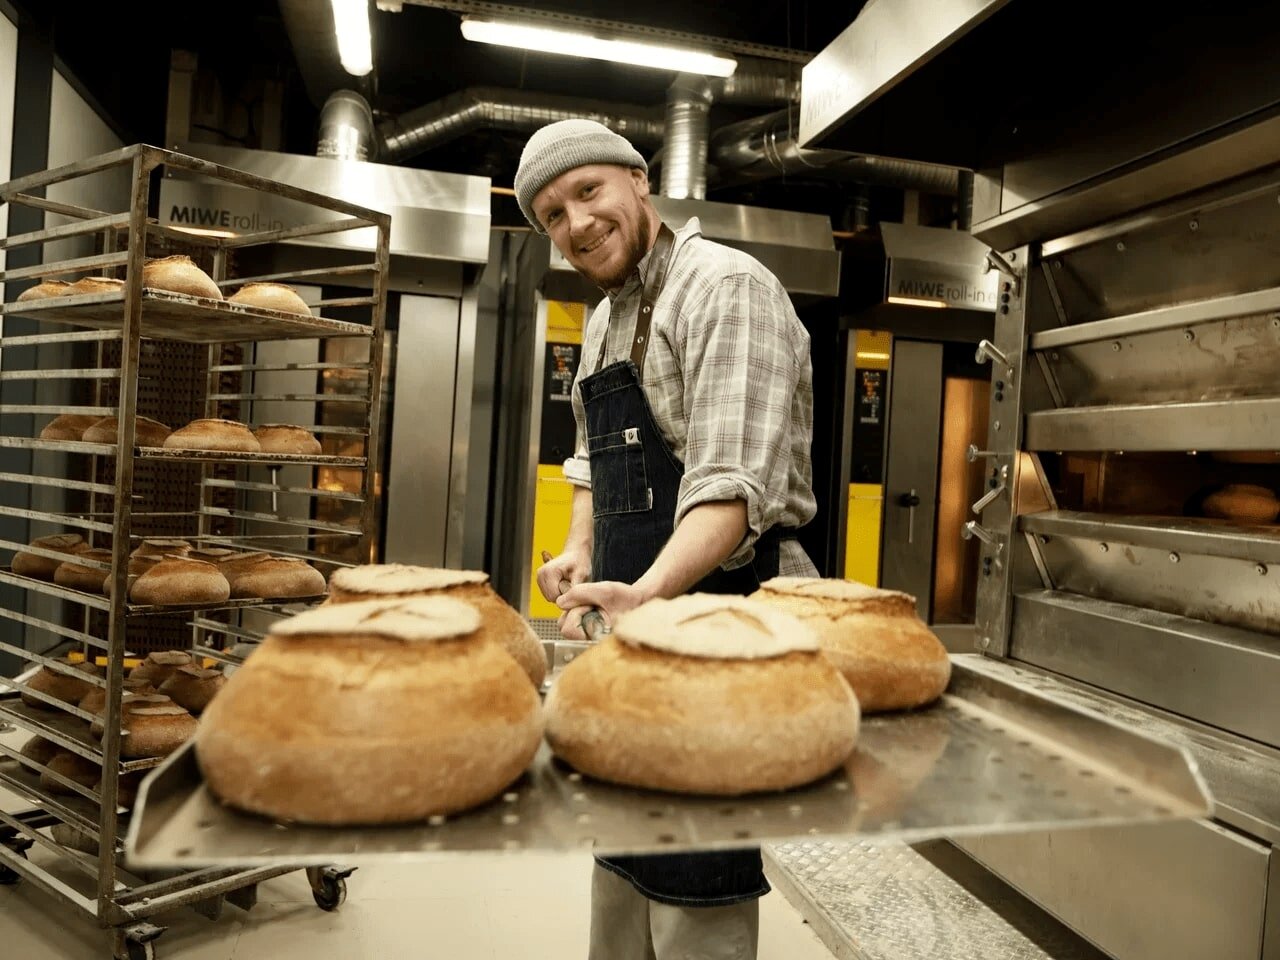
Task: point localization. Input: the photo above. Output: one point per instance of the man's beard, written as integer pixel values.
(635, 253)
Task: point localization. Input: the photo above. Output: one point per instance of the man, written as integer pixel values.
(693, 402)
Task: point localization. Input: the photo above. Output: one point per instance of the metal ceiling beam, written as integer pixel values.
(617, 28)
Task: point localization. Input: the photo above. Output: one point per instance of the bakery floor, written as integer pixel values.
(471, 907)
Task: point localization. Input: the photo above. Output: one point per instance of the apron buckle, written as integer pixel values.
(631, 436)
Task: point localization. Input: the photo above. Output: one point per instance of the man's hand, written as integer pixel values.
(610, 597)
(573, 565)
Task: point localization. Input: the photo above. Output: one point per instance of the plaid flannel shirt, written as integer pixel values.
(730, 383)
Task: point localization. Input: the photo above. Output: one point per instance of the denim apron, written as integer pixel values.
(635, 479)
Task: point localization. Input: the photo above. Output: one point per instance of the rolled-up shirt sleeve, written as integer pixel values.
(577, 469)
(743, 351)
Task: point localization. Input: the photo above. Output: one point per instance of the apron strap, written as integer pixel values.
(658, 262)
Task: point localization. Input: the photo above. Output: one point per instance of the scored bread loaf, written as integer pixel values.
(271, 296)
(73, 767)
(220, 435)
(285, 438)
(76, 575)
(179, 274)
(176, 580)
(161, 548)
(874, 637)
(276, 577)
(69, 688)
(160, 665)
(95, 701)
(368, 713)
(156, 730)
(44, 290)
(68, 426)
(193, 687)
(703, 694)
(88, 285)
(146, 432)
(500, 621)
(43, 568)
(129, 702)
(1243, 502)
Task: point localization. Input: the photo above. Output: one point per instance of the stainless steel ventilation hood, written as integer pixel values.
(798, 247)
(439, 221)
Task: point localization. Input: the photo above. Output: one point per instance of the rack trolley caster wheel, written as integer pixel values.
(137, 942)
(329, 885)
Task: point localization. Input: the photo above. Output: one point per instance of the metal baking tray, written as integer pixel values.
(997, 753)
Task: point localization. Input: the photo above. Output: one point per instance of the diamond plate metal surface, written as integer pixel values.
(887, 901)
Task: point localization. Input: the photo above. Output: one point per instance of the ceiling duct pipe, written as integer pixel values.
(765, 147)
(759, 82)
(684, 150)
(346, 128)
(476, 108)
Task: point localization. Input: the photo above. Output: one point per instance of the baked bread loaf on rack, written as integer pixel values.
(73, 767)
(161, 548)
(156, 730)
(40, 750)
(44, 290)
(43, 568)
(126, 788)
(95, 701)
(70, 688)
(68, 426)
(176, 581)
(193, 687)
(77, 575)
(271, 296)
(88, 285)
(179, 274)
(285, 438)
(703, 694)
(276, 578)
(146, 432)
(1244, 503)
(215, 435)
(875, 638)
(370, 713)
(499, 621)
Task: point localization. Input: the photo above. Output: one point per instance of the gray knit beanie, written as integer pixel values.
(562, 146)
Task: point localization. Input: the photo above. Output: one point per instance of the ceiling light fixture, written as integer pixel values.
(355, 42)
(916, 302)
(572, 43)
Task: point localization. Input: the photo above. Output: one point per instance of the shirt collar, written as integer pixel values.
(635, 282)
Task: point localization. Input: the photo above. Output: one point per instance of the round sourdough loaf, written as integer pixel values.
(285, 438)
(161, 548)
(706, 695)
(44, 290)
(70, 687)
(193, 687)
(156, 730)
(499, 621)
(95, 701)
(160, 665)
(73, 767)
(74, 838)
(68, 426)
(175, 580)
(874, 637)
(87, 285)
(76, 575)
(271, 296)
(1243, 502)
(277, 578)
(146, 432)
(43, 568)
(368, 713)
(129, 702)
(179, 274)
(40, 750)
(222, 435)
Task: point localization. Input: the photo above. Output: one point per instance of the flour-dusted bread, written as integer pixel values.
(285, 438)
(874, 637)
(217, 435)
(68, 426)
(95, 701)
(87, 285)
(178, 581)
(160, 665)
(43, 568)
(277, 578)
(500, 621)
(271, 296)
(44, 290)
(68, 687)
(156, 731)
(129, 702)
(705, 695)
(1244, 503)
(146, 432)
(179, 274)
(368, 713)
(78, 574)
(161, 548)
(193, 687)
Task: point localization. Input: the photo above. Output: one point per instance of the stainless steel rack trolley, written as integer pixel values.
(235, 497)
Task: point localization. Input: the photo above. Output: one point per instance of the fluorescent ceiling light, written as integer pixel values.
(355, 43)
(916, 302)
(574, 44)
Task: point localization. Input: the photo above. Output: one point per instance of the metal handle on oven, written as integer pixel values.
(910, 500)
(973, 453)
(989, 351)
(974, 529)
(994, 492)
